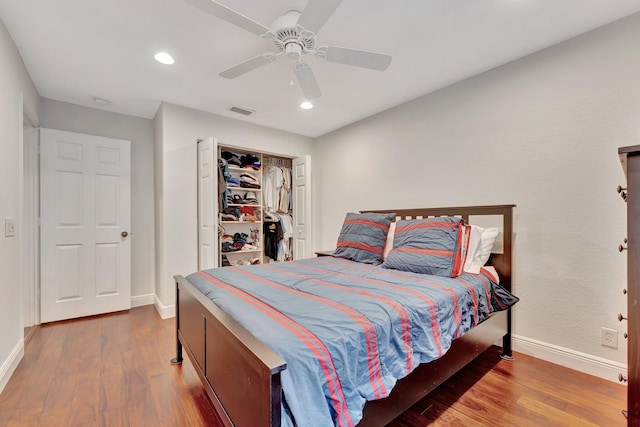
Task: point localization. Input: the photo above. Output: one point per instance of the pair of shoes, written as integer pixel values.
(229, 247)
(239, 239)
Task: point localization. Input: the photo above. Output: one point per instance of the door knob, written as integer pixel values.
(124, 234)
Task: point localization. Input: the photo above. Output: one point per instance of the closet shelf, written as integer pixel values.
(244, 204)
(239, 169)
(243, 189)
(242, 251)
(240, 222)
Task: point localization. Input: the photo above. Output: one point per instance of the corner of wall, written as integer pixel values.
(158, 158)
(165, 311)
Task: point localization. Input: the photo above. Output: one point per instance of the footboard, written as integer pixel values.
(240, 373)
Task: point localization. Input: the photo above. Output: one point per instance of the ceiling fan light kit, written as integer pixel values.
(294, 34)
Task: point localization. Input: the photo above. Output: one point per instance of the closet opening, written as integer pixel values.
(252, 206)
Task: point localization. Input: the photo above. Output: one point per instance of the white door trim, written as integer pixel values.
(30, 242)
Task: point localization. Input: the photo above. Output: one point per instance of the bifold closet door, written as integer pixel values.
(207, 204)
(301, 182)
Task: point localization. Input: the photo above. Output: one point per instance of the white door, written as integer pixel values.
(302, 245)
(85, 208)
(207, 204)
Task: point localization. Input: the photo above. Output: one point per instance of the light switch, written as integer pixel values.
(9, 227)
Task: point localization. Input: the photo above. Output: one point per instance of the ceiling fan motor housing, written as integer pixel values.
(290, 37)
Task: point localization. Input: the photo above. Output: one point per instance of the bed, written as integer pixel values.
(244, 377)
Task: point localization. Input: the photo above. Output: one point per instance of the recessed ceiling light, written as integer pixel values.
(164, 58)
(306, 105)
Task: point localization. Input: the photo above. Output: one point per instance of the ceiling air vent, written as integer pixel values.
(243, 111)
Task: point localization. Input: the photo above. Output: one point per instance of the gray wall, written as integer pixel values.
(92, 121)
(15, 84)
(541, 132)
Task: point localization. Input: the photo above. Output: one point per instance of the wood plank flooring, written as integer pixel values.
(113, 370)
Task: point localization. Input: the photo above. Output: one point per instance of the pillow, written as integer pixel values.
(472, 248)
(389, 243)
(483, 251)
(427, 246)
(363, 236)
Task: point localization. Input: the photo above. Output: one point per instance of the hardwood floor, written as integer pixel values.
(114, 370)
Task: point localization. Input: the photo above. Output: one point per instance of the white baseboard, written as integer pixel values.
(140, 300)
(10, 365)
(165, 311)
(572, 359)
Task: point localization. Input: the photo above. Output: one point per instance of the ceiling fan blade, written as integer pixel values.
(229, 15)
(248, 65)
(316, 13)
(307, 80)
(357, 58)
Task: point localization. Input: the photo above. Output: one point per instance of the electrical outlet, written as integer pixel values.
(609, 337)
(9, 227)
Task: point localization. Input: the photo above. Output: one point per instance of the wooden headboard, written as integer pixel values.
(501, 261)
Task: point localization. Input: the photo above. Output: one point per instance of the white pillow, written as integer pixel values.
(474, 244)
(483, 251)
(389, 243)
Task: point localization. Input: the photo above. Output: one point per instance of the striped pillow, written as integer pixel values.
(363, 236)
(428, 246)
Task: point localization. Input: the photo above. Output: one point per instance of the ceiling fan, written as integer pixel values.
(294, 34)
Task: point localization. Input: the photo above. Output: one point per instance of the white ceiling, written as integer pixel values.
(79, 49)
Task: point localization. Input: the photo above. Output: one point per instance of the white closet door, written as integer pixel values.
(301, 177)
(207, 204)
(85, 201)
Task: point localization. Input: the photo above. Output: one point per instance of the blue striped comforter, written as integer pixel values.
(348, 331)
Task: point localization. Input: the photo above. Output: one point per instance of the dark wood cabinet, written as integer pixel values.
(630, 159)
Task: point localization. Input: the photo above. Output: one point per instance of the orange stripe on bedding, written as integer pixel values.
(488, 274)
(445, 225)
(460, 255)
(360, 245)
(426, 251)
(367, 222)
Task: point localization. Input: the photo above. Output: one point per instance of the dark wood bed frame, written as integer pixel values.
(242, 375)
